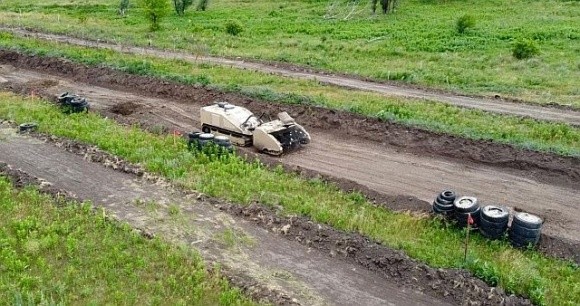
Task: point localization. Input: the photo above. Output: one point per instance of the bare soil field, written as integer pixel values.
(495, 104)
(277, 259)
(386, 161)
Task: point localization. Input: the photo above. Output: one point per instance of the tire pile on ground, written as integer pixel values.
(200, 140)
(73, 103)
(492, 221)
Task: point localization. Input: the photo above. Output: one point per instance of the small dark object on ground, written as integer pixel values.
(27, 127)
(73, 103)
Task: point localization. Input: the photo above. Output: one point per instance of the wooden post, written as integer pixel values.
(469, 222)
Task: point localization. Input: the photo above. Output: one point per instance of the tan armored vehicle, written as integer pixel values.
(245, 129)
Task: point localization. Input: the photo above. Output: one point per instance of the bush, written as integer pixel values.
(465, 22)
(181, 5)
(123, 6)
(202, 5)
(233, 28)
(525, 48)
(155, 10)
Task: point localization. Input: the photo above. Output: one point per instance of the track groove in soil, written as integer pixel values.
(326, 263)
(559, 114)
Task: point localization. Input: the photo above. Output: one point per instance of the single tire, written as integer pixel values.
(448, 195)
(444, 206)
(483, 222)
(438, 211)
(493, 233)
(527, 220)
(445, 209)
(26, 127)
(205, 129)
(495, 214)
(522, 242)
(461, 218)
(525, 232)
(466, 204)
(443, 201)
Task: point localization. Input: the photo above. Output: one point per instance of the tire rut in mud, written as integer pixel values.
(542, 166)
(451, 285)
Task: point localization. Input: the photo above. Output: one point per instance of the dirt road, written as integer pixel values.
(491, 105)
(297, 271)
(379, 167)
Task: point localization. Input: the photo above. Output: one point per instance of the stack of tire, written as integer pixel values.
(465, 207)
(443, 204)
(73, 103)
(200, 140)
(525, 230)
(493, 221)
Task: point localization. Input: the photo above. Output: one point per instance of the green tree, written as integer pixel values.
(155, 10)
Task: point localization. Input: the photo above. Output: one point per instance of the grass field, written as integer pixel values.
(70, 255)
(544, 280)
(527, 133)
(418, 44)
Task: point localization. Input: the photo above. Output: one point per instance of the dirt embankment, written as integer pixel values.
(542, 166)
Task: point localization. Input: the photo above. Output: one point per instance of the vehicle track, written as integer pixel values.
(378, 167)
(568, 116)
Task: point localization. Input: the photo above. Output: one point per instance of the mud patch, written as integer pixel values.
(124, 109)
(541, 166)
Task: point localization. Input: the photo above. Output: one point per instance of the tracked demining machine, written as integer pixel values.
(245, 129)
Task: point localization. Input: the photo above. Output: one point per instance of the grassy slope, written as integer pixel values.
(417, 44)
(71, 255)
(545, 280)
(474, 124)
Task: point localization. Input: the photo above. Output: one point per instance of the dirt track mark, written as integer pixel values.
(313, 278)
(378, 167)
(496, 106)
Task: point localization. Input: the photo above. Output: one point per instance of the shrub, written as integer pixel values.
(525, 48)
(233, 28)
(465, 22)
(202, 5)
(155, 10)
(181, 5)
(123, 6)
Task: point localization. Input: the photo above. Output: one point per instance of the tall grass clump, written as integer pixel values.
(464, 23)
(525, 48)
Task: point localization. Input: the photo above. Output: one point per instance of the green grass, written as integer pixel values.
(68, 254)
(418, 44)
(544, 280)
(474, 124)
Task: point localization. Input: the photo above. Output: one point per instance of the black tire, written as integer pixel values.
(495, 214)
(461, 218)
(527, 220)
(26, 127)
(466, 204)
(442, 209)
(443, 201)
(493, 233)
(448, 195)
(486, 224)
(438, 211)
(444, 206)
(205, 129)
(522, 242)
(525, 232)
